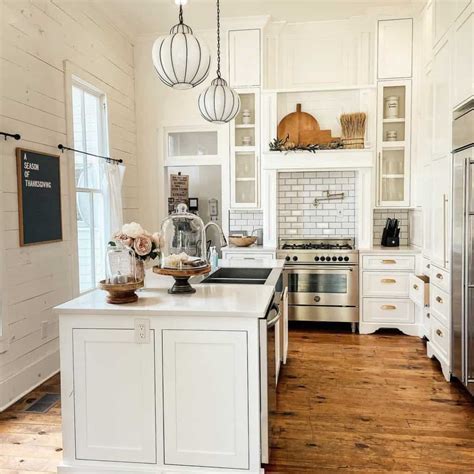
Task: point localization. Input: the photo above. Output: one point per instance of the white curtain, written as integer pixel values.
(113, 178)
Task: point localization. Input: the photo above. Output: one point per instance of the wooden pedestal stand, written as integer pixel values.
(120, 293)
(181, 285)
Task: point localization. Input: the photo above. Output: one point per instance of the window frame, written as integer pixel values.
(76, 77)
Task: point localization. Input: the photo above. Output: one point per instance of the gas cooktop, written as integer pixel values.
(316, 246)
(318, 251)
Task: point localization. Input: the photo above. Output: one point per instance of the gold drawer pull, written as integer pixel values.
(389, 262)
(439, 276)
(388, 307)
(439, 332)
(415, 287)
(439, 299)
(388, 280)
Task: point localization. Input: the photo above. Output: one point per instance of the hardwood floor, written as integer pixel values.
(358, 403)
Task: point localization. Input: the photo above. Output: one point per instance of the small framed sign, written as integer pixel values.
(39, 197)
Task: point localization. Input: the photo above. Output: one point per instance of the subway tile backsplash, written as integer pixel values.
(245, 221)
(380, 218)
(299, 218)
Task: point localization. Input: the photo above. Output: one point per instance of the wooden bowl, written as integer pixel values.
(120, 293)
(243, 241)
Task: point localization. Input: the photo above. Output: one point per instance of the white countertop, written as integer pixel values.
(210, 300)
(251, 249)
(408, 249)
(260, 263)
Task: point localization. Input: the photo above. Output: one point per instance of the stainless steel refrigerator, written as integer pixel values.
(462, 280)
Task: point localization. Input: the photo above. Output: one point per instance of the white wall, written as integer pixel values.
(159, 107)
(37, 37)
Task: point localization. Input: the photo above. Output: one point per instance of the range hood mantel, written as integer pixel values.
(320, 160)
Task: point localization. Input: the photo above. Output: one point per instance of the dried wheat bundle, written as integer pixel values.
(353, 129)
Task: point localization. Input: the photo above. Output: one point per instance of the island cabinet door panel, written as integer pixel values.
(114, 396)
(205, 398)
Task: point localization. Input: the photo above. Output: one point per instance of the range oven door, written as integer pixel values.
(322, 286)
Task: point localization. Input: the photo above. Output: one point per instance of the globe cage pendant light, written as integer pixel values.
(219, 103)
(181, 59)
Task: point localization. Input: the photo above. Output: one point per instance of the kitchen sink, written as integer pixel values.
(239, 276)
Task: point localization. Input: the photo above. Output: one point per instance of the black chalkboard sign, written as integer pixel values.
(39, 197)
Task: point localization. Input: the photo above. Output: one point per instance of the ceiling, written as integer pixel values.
(145, 17)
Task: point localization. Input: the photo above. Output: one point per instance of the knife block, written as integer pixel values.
(389, 241)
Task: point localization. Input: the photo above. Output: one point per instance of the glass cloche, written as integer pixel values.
(121, 264)
(183, 241)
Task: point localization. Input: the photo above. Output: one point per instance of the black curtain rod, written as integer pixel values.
(16, 136)
(62, 148)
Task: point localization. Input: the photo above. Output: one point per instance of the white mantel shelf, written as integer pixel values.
(320, 160)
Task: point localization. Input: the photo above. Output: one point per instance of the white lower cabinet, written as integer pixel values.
(388, 310)
(439, 345)
(205, 398)
(385, 293)
(114, 396)
(185, 399)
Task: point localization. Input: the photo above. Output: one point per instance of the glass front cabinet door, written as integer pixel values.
(245, 146)
(393, 143)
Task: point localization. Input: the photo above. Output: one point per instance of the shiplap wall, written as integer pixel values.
(37, 37)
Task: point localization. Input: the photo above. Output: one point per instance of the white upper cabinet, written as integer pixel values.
(442, 117)
(395, 45)
(245, 58)
(440, 212)
(114, 391)
(445, 12)
(205, 390)
(463, 79)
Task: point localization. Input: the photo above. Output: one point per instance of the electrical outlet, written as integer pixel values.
(44, 329)
(142, 331)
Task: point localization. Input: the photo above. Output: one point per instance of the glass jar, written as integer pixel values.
(183, 241)
(121, 265)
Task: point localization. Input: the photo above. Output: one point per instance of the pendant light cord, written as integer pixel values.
(218, 40)
(180, 14)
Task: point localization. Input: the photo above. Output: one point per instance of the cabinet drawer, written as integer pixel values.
(389, 284)
(426, 266)
(257, 256)
(388, 311)
(440, 337)
(388, 262)
(427, 323)
(440, 305)
(420, 290)
(440, 278)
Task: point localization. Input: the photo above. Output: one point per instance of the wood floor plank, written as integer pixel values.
(366, 404)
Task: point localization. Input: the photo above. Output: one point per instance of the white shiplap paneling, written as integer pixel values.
(38, 37)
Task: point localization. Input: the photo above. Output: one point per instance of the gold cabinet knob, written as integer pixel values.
(439, 299)
(439, 332)
(439, 276)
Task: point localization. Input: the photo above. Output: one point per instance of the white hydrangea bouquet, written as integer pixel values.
(143, 244)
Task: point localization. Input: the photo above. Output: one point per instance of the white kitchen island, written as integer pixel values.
(168, 384)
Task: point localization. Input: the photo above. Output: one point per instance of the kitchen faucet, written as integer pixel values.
(223, 240)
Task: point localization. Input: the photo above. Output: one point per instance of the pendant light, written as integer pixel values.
(181, 59)
(219, 103)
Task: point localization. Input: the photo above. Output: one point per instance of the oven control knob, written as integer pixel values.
(328, 259)
(287, 258)
(346, 259)
(322, 259)
(316, 259)
(295, 258)
(340, 259)
(334, 259)
(317, 299)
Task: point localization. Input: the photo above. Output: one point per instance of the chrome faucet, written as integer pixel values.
(223, 242)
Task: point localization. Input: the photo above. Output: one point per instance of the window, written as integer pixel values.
(90, 135)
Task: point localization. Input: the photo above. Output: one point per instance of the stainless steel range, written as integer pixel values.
(323, 279)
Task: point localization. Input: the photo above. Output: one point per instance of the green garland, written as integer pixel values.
(283, 145)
